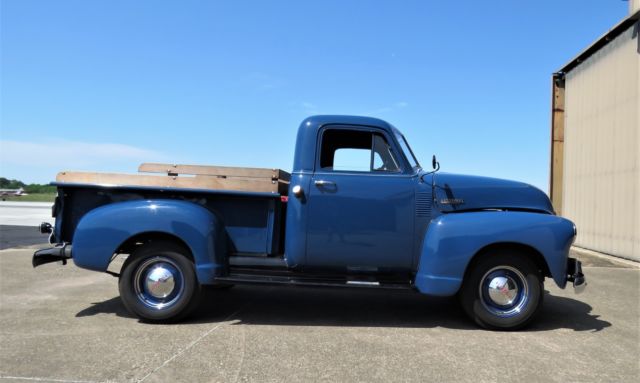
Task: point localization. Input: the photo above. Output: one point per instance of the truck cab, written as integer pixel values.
(355, 206)
(357, 210)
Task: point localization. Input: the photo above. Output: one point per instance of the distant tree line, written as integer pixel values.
(30, 188)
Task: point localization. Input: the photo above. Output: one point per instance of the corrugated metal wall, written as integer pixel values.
(602, 148)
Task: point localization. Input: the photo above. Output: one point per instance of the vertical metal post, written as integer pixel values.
(557, 142)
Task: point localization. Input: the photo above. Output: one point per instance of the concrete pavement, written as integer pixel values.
(67, 324)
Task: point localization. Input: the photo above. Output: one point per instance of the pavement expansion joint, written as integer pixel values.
(194, 342)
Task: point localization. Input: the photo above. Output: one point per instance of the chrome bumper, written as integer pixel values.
(574, 274)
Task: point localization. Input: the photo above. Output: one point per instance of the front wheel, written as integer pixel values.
(158, 283)
(503, 291)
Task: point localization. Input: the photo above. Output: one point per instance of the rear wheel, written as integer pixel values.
(503, 291)
(158, 283)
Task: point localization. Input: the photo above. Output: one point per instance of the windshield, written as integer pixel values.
(408, 153)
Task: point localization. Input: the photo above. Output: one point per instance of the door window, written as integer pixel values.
(356, 150)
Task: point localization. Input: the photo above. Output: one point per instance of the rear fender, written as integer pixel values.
(102, 231)
(452, 240)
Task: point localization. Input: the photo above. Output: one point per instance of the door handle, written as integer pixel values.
(324, 183)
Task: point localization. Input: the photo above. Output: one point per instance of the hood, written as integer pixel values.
(456, 192)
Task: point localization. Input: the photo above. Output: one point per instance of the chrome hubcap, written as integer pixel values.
(504, 291)
(158, 283)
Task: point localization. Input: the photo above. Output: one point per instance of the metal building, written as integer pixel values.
(595, 148)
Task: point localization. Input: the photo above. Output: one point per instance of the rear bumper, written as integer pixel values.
(575, 275)
(58, 253)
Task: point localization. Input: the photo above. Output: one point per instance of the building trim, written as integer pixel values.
(601, 42)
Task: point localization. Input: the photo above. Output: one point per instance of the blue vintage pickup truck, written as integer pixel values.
(357, 211)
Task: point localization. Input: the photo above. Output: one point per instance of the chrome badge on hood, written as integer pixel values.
(451, 201)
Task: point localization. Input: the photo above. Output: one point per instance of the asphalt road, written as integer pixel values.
(17, 213)
(19, 222)
(64, 324)
(19, 236)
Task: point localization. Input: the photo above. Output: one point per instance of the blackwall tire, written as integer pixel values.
(159, 284)
(502, 291)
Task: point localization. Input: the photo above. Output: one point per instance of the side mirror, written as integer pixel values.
(436, 166)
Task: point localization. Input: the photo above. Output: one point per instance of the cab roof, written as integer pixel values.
(317, 122)
(309, 129)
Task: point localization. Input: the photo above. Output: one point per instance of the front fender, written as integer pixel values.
(452, 240)
(103, 230)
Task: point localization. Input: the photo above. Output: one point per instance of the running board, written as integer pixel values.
(240, 260)
(254, 279)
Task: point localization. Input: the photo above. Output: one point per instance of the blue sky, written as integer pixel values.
(106, 85)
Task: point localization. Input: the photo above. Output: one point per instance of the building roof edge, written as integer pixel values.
(600, 42)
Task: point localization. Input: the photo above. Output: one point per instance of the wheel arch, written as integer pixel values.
(140, 239)
(520, 248)
(136, 241)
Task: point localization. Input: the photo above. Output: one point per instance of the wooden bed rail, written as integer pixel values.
(218, 171)
(189, 177)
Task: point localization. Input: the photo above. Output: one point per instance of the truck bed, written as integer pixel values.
(247, 200)
(189, 177)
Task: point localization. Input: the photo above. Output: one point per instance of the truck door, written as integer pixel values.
(361, 203)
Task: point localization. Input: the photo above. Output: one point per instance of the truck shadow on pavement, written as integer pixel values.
(355, 308)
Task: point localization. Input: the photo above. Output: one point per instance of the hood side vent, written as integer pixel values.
(423, 204)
